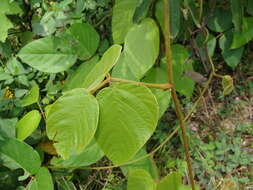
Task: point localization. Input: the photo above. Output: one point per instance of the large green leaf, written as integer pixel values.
(231, 56)
(90, 155)
(122, 19)
(128, 117)
(243, 37)
(86, 39)
(220, 20)
(72, 121)
(42, 181)
(20, 154)
(159, 75)
(175, 15)
(140, 180)
(32, 96)
(172, 181)
(99, 71)
(27, 124)
(76, 78)
(140, 52)
(237, 8)
(48, 54)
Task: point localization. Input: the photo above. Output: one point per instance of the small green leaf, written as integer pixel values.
(140, 180)
(173, 181)
(122, 16)
(87, 39)
(20, 154)
(175, 14)
(140, 51)
(231, 56)
(42, 181)
(48, 55)
(8, 127)
(220, 20)
(5, 26)
(227, 84)
(243, 37)
(32, 96)
(90, 155)
(72, 121)
(128, 117)
(99, 71)
(27, 124)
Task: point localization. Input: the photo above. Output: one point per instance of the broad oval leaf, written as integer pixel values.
(87, 39)
(32, 96)
(27, 124)
(140, 180)
(48, 55)
(128, 117)
(140, 52)
(20, 154)
(72, 121)
(99, 71)
(122, 19)
(42, 181)
(90, 155)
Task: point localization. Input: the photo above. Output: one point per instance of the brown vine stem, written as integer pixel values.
(175, 99)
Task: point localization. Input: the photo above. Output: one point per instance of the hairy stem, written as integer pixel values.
(175, 99)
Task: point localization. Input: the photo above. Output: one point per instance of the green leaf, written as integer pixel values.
(10, 7)
(243, 37)
(173, 181)
(20, 154)
(128, 117)
(72, 121)
(90, 155)
(27, 124)
(163, 97)
(86, 39)
(140, 51)
(99, 71)
(250, 7)
(227, 84)
(220, 20)
(237, 8)
(140, 180)
(201, 42)
(141, 10)
(8, 127)
(146, 164)
(175, 14)
(122, 16)
(42, 181)
(193, 9)
(231, 56)
(32, 96)
(64, 184)
(48, 55)
(5, 26)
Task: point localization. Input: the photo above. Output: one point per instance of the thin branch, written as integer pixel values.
(175, 99)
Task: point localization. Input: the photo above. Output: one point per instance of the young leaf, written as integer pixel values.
(173, 181)
(237, 8)
(122, 19)
(175, 15)
(42, 181)
(32, 96)
(48, 55)
(140, 180)
(231, 56)
(27, 124)
(86, 37)
(90, 155)
(227, 84)
(72, 121)
(20, 154)
(140, 52)
(243, 37)
(98, 72)
(128, 117)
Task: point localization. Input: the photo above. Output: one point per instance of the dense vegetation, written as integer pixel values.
(126, 94)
